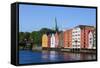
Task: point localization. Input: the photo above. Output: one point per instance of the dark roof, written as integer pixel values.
(83, 26)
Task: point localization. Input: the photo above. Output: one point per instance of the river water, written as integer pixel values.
(28, 57)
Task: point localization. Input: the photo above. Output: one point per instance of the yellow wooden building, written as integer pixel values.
(44, 41)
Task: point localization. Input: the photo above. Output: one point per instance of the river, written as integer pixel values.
(28, 57)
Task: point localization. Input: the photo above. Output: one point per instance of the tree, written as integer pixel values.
(47, 31)
(21, 36)
(35, 35)
(27, 35)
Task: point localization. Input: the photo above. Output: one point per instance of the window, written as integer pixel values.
(90, 42)
(84, 46)
(90, 38)
(84, 42)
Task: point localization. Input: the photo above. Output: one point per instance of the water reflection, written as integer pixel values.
(45, 55)
(52, 56)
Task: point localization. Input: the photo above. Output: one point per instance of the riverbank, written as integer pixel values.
(72, 50)
(93, 51)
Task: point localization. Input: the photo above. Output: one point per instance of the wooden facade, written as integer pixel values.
(52, 41)
(67, 38)
(44, 41)
(85, 36)
(56, 40)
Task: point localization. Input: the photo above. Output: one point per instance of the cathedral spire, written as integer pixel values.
(56, 27)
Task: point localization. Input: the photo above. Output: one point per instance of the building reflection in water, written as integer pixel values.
(53, 55)
(49, 55)
(64, 56)
(45, 55)
(87, 56)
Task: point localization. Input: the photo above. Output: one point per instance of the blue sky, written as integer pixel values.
(35, 17)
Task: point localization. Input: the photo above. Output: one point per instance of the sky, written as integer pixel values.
(35, 17)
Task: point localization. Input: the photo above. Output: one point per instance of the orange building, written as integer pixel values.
(44, 41)
(67, 38)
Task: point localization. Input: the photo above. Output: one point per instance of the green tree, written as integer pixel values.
(21, 36)
(27, 35)
(35, 35)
